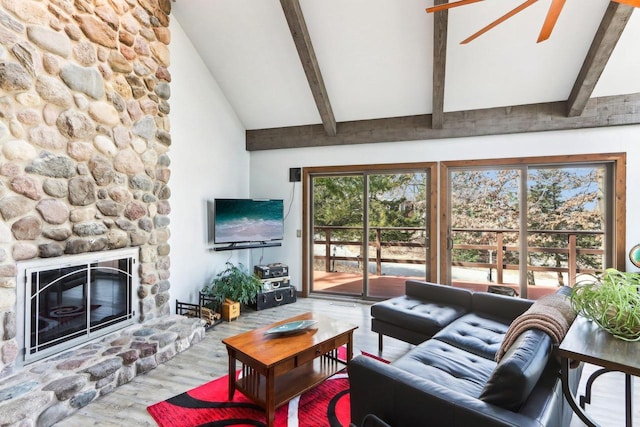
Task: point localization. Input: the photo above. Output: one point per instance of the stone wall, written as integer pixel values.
(84, 136)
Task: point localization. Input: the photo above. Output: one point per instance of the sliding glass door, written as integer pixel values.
(529, 228)
(370, 231)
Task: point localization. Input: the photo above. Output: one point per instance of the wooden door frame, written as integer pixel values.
(618, 199)
(307, 221)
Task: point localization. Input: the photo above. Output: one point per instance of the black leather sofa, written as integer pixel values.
(451, 378)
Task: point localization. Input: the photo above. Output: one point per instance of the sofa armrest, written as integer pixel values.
(400, 398)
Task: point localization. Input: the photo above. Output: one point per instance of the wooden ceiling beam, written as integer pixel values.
(440, 28)
(605, 40)
(302, 40)
(599, 112)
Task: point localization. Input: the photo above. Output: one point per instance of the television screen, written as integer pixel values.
(248, 220)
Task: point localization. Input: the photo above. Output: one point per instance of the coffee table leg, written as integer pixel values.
(271, 398)
(232, 374)
(350, 347)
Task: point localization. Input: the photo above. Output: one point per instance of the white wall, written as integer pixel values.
(270, 169)
(208, 160)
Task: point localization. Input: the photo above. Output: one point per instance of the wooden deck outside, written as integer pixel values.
(383, 287)
(387, 286)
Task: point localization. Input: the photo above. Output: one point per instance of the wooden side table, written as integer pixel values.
(587, 342)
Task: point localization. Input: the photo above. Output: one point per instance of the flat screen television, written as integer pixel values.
(256, 222)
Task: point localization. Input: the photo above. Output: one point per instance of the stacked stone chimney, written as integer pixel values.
(84, 140)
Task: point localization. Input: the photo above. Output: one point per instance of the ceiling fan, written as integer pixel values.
(547, 27)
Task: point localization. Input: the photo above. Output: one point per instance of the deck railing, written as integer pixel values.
(378, 243)
(497, 250)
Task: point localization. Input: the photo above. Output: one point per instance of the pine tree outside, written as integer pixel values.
(395, 219)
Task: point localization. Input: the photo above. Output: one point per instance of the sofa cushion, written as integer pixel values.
(418, 315)
(448, 366)
(519, 370)
(499, 306)
(476, 334)
(443, 294)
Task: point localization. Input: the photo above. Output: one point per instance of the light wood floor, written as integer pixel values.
(126, 406)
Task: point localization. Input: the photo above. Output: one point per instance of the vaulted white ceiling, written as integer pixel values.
(376, 57)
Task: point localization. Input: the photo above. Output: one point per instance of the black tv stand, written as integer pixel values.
(248, 245)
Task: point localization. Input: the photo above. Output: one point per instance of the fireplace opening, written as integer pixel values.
(76, 299)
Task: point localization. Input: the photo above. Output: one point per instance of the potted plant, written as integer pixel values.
(612, 300)
(234, 283)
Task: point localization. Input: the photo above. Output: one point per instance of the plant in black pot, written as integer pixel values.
(234, 283)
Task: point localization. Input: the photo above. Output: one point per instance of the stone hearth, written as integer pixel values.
(48, 391)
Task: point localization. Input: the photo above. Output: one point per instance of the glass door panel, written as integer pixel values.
(566, 224)
(110, 292)
(397, 228)
(484, 243)
(58, 306)
(338, 235)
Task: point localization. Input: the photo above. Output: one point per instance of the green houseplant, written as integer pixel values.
(236, 283)
(612, 300)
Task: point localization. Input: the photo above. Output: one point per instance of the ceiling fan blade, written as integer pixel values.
(445, 6)
(552, 18)
(499, 21)
(634, 3)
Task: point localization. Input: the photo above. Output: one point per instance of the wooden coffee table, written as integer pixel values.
(277, 368)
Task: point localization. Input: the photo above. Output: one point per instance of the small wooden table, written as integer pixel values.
(587, 342)
(277, 368)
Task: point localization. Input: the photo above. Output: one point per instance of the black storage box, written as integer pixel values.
(274, 298)
(270, 271)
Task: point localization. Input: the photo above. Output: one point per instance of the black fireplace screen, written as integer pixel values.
(73, 303)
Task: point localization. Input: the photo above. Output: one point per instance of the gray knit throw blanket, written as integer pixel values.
(551, 314)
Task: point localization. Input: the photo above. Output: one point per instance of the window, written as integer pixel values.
(521, 226)
(531, 225)
(367, 229)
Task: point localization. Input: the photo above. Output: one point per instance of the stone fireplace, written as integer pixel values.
(69, 304)
(84, 169)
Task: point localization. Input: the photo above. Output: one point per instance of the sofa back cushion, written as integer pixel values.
(439, 294)
(501, 306)
(519, 370)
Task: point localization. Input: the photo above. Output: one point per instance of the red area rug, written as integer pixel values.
(207, 406)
